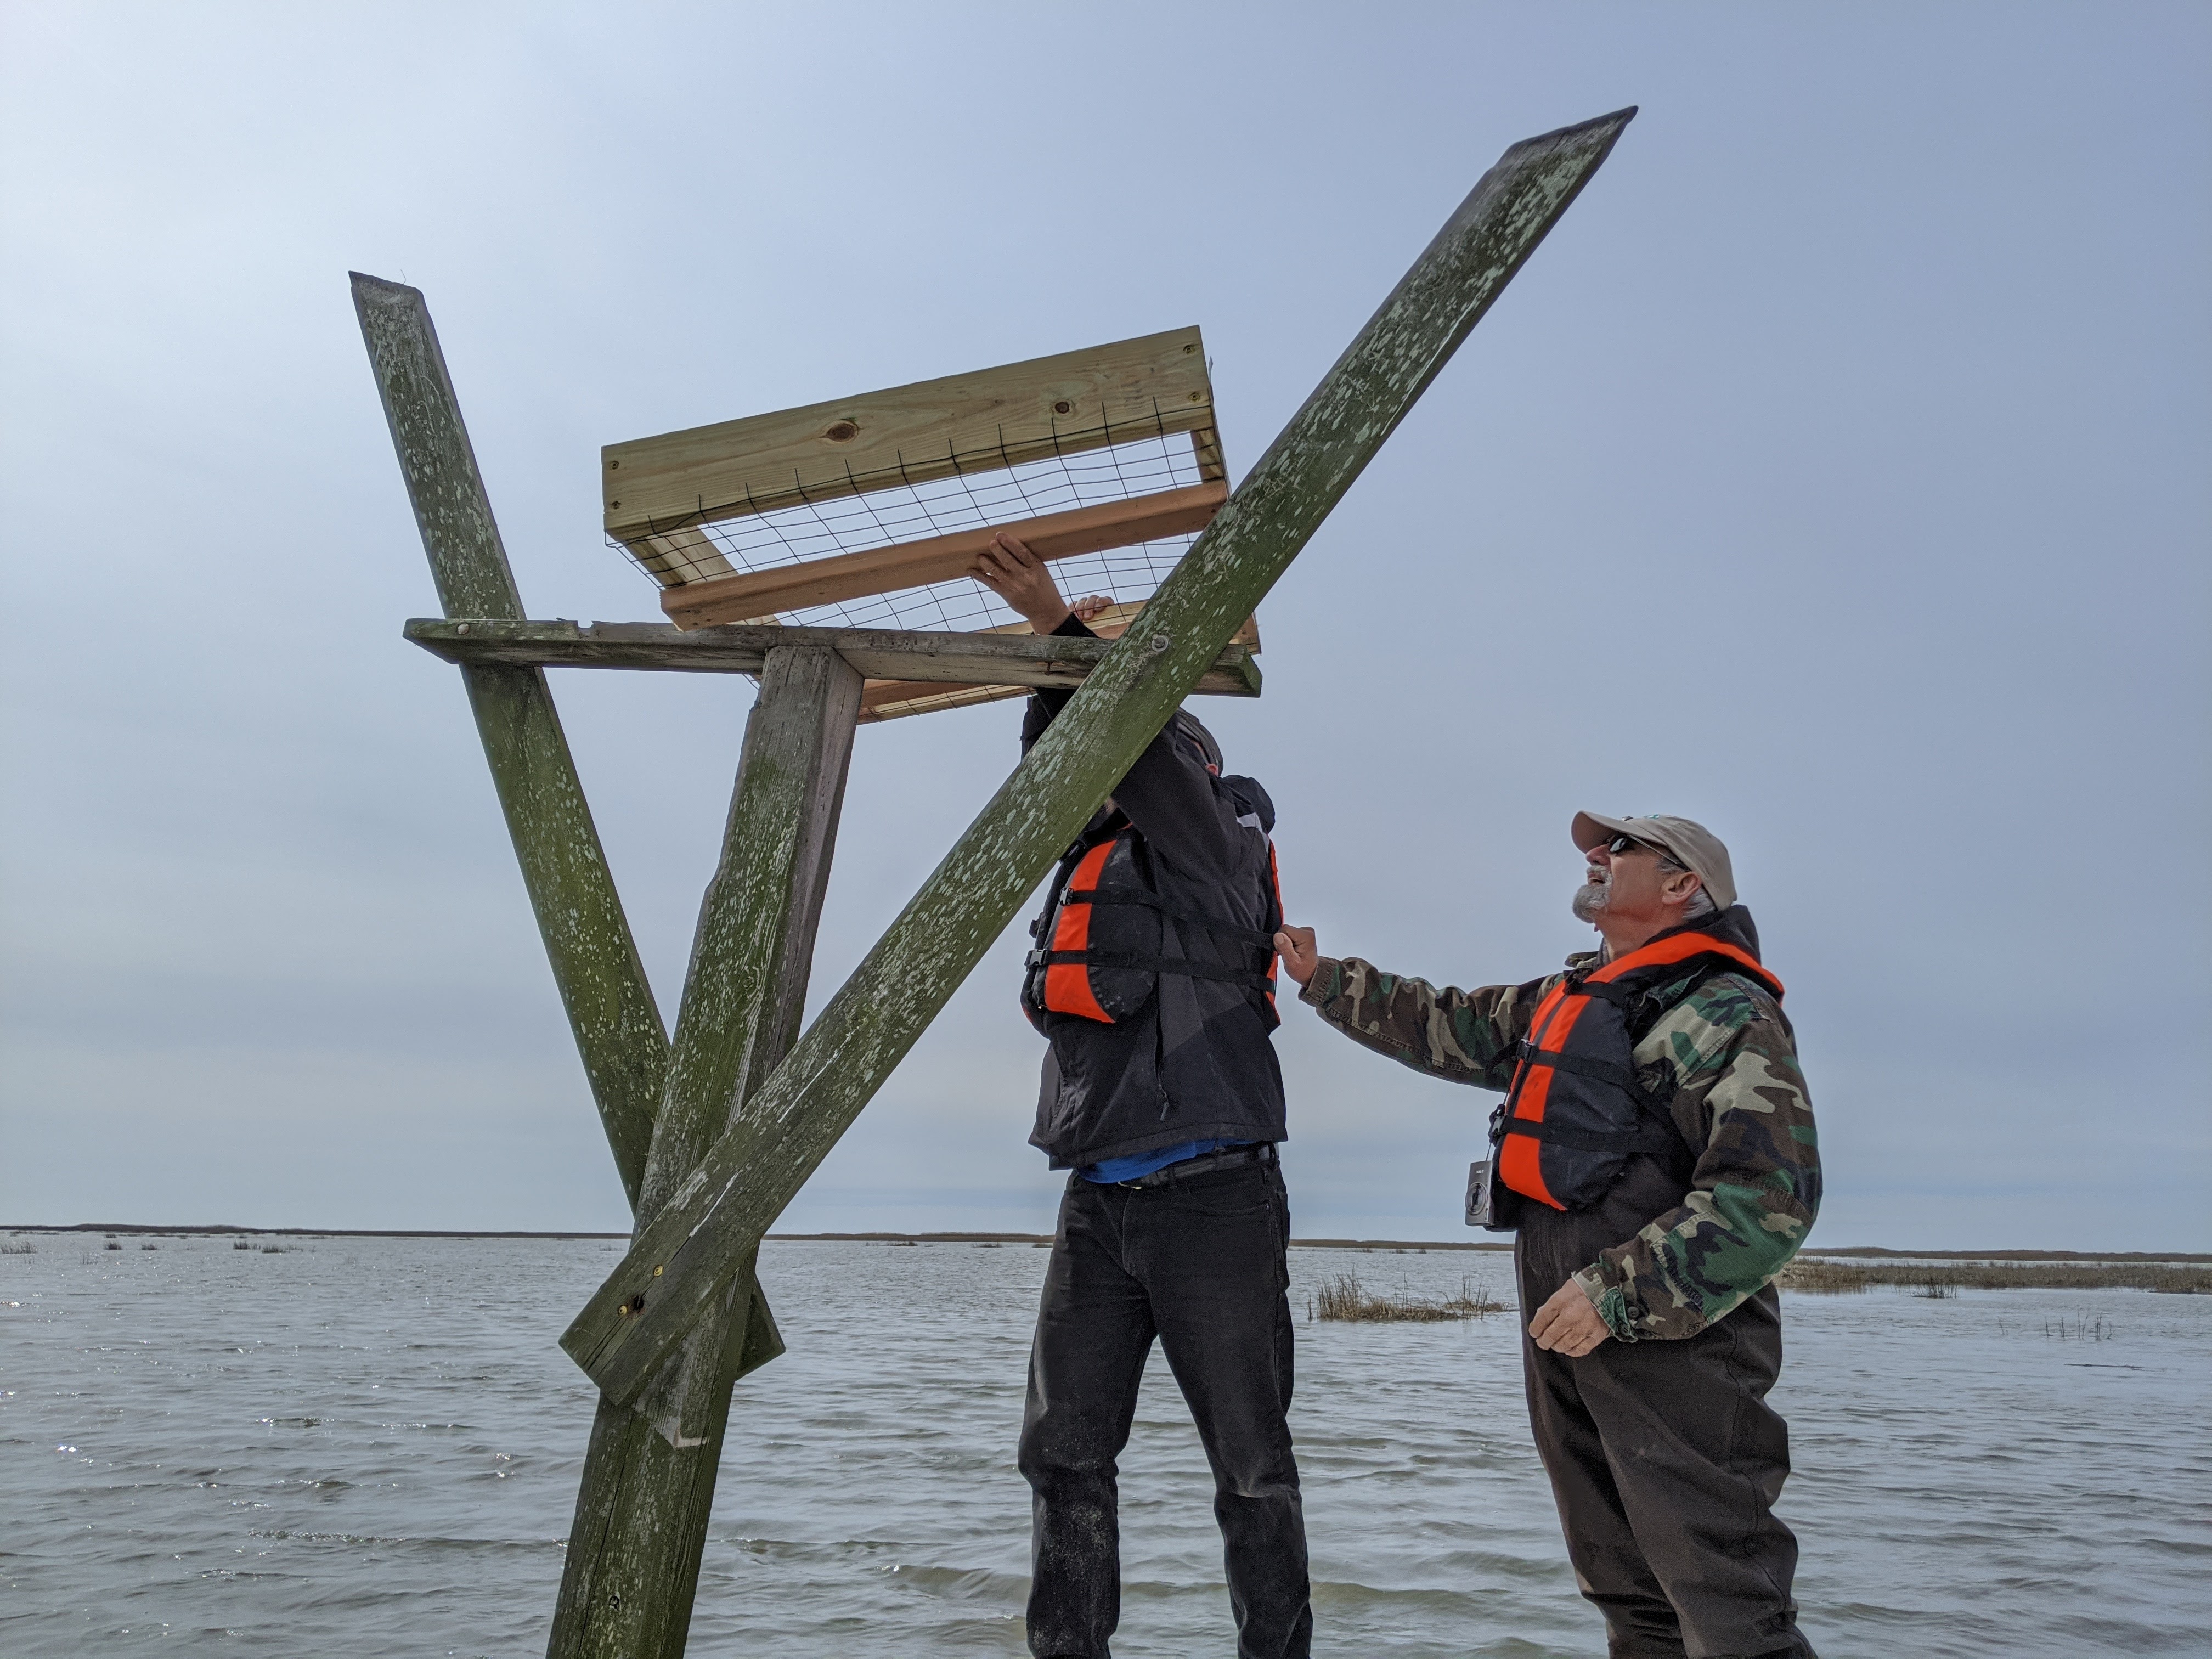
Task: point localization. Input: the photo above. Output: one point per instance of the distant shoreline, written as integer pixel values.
(1872, 1251)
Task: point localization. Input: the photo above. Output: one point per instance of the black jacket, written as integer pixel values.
(1195, 1062)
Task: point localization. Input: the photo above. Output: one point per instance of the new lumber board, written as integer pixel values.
(940, 558)
(1063, 404)
(1024, 660)
(896, 700)
(679, 556)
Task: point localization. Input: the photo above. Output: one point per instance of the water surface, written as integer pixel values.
(372, 1446)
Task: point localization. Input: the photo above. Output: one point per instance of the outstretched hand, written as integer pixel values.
(1301, 955)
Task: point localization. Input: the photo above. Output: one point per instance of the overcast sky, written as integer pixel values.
(1835, 474)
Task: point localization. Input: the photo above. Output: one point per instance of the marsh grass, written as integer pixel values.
(1942, 1283)
(1343, 1297)
(2081, 1329)
(17, 1247)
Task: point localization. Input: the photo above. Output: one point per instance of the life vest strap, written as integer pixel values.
(1181, 965)
(1620, 996)
(1655, 1141)
(1604, 1071)
(1250, 936)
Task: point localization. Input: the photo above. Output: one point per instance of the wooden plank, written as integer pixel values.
(1114, 621)
(632, 1565)
(1206, 445)
(1064, 404)
(679, 556)
(587, 937)
(677, 1269)
(894, 700)
(957, 658)
(940, 558)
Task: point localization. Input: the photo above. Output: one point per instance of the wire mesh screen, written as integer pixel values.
(886, 512)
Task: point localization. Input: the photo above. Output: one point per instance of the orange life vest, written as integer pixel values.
(1576, 1111)
(1099, 938)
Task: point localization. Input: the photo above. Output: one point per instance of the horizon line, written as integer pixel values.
(220, 1229)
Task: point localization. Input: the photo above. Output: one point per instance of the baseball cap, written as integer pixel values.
(1693, 846)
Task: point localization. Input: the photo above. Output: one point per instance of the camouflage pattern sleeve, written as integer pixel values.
(1464, 1036)
(1757, 1186)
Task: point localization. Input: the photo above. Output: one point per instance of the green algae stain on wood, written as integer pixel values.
(588, 939)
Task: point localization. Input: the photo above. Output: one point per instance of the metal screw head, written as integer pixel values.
(1160, 642)
(463, 628)
(1192, 346)
(1198, 397)
(1062, 407)
(656, 1272)
(611, 466)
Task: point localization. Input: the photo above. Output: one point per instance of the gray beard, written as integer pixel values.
(1589, 899)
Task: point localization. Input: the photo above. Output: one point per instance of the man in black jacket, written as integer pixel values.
(1153, 983)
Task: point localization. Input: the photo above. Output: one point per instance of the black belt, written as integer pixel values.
(1229, 1158)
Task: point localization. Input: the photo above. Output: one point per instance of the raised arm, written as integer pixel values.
(1166, 792)
(1463, 1036)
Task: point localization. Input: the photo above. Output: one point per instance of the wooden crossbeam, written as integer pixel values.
(1020, 659)
(1064, 404)
(677, 1270)
(939, 558)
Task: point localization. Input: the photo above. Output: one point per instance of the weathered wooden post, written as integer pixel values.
(632, 1568)
(679, 1266)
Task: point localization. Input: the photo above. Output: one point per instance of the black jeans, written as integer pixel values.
(1200, 1265)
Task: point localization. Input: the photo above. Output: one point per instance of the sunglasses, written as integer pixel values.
(1621, 844)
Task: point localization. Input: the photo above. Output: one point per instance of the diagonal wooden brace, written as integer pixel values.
(588, 939)
(679, 1267)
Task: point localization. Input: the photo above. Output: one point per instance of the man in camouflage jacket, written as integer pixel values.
(1655, 1331)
